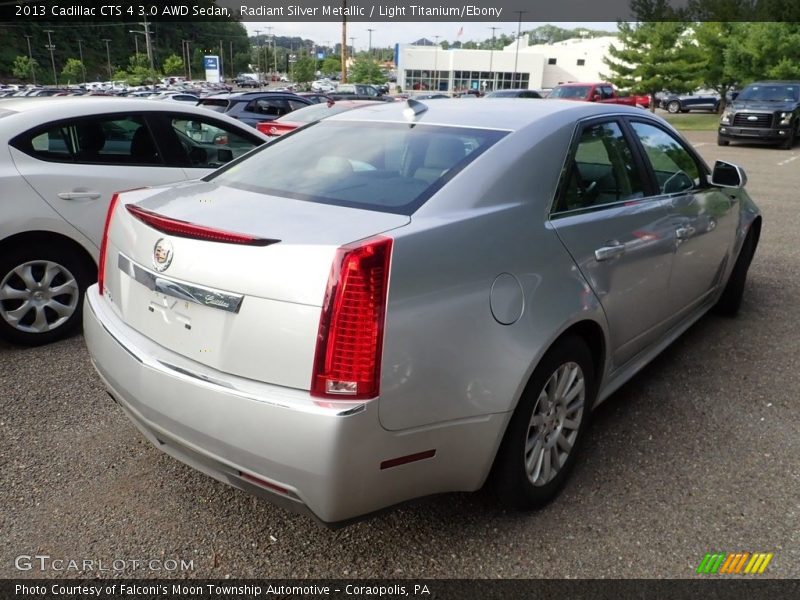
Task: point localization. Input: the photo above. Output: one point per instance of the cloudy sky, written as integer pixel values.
(389, 33)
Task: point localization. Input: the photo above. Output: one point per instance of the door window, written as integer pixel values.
(208, 144)
(270, 107)
(603, 170)
(115, 140)
(675, 169)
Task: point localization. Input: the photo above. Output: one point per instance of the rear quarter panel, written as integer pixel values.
(445, 355)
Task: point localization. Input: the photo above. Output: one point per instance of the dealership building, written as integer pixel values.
(425, 66)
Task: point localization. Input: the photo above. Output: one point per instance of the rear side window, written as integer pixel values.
(387, 167)
(270, 107)
(117, 140)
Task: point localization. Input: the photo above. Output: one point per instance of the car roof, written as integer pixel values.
(41, 110)
(501, 113)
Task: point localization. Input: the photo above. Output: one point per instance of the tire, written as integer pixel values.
(520, 479)
(721, 141)
(673, 107)
(788, 144)
(49, 317)
(730, 301)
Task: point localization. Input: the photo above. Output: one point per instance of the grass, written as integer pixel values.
(700, 121)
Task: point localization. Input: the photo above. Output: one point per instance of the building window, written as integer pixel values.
(581, 62)
(551, 61)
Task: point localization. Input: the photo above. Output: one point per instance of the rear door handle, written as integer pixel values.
(613, 250)
(79, 195)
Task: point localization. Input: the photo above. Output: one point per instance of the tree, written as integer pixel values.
(23, 67)
(331, 64)
(173, 65)
(765, 51)
(72, 71)
(304, 70)
(654, 56)
(714, 39)
(366, 70)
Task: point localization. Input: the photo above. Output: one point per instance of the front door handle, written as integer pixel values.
(88, 195)
(613, 250)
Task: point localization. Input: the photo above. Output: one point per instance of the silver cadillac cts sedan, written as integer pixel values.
(411, 299)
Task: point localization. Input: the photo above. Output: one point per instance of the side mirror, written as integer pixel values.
(734, 95)
(728, 175)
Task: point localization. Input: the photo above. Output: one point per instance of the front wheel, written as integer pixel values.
(41, 291)
(721, 141)
(730, 301)
(547, 429)
(673, 107)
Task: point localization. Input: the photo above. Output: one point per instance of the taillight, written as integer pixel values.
(347, 363)
(185, 229)
(101, 268)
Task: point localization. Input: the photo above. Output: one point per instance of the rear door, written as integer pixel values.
(617, 233)
(76, 165)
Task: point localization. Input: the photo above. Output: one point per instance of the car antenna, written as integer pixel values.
(414, 108)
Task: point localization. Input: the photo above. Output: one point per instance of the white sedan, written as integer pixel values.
(63, 160)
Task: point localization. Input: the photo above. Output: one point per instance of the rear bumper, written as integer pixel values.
(319, 460)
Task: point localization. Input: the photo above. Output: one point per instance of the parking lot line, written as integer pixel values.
(788, 160)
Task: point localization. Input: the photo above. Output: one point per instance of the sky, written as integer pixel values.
(387, 34)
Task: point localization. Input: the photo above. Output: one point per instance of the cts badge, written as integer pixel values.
(162, 255)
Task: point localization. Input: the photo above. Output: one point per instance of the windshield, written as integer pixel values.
(771, 93)
(387, 167)
(572, 91)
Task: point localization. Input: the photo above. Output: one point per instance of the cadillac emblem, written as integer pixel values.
(162, 255)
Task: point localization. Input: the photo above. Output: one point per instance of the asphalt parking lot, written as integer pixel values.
(698, 453)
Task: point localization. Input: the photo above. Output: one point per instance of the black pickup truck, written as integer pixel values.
(765, 111)
(358, 91)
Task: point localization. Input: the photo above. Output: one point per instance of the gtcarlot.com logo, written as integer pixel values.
(45, 562)
(734, 563)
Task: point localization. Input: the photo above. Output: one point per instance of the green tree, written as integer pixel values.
(654, 56)
(24, 67)
(72, 71)
(331, 64)
(173, 65)
(768, 50)
(366, 70)
(714, 39)
(304, 68)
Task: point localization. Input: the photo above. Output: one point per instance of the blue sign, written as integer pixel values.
(210, 63)
(320, 54)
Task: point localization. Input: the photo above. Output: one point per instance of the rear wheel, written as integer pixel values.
(548, 427)
(731, 299)
(673, 106)
(41, 291)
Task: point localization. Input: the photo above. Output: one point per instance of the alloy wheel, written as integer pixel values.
(38, 296)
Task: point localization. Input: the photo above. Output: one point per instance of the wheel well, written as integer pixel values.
(591, 333)
(48, 237)
(755, 227)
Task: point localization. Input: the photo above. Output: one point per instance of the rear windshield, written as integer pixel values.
(217, 104)
(572, 91)
(386, 167)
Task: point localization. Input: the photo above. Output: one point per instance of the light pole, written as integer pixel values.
(491, 56)
(30, 57)
(136, 42)
(258, 56)
(108, 57)
(80, 54)
(52, 57)
(516, 53)
(370, 41)
(436, 63)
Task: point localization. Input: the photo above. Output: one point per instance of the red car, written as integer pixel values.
(309, 114)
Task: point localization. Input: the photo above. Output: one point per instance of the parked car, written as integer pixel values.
(356, 316)
(591, 92)
(358, 91)
(517, 93)
(323, 85)
(309, 114)
(763, 111)
(254, 107)
(699, 100)
(65, 158)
